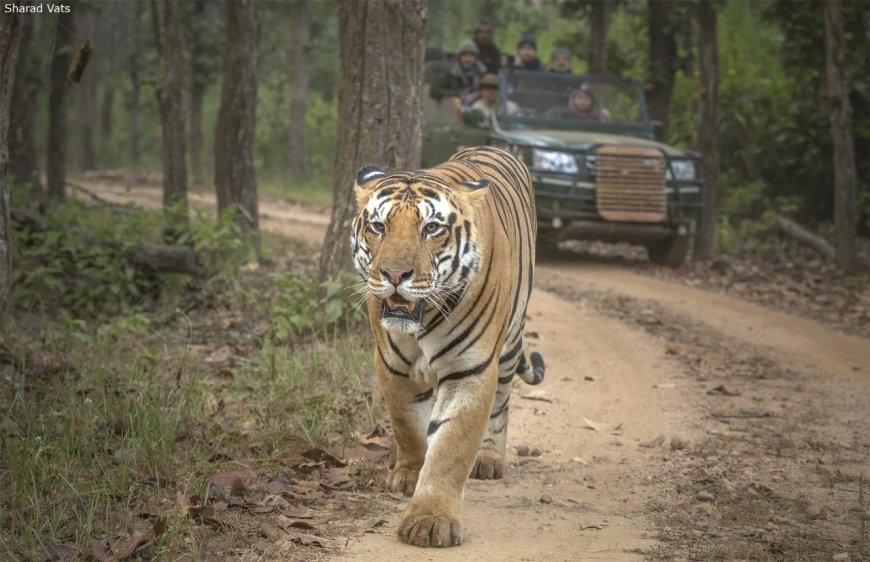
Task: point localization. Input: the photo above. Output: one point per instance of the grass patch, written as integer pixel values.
(107, 419)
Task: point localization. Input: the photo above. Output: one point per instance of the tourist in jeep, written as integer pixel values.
(560, 61)
(488, 102)
(461, 82)
(487, 52)
(527, 55)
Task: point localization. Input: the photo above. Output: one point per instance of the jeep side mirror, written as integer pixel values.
(475, 118)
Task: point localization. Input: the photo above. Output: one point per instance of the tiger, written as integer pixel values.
(447, 259)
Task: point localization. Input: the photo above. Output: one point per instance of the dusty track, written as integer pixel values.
(638, 357)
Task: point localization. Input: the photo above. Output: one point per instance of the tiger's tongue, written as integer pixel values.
(396, 301)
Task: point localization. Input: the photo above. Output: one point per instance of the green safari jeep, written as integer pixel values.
(598, 172)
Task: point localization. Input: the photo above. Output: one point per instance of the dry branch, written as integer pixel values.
(805, 237)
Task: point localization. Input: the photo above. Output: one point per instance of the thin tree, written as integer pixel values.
(167, 36)
(202, 37)
(299, 102)
(108, 99)
(86, 98)
(708, 138)
(55, 165)
(10, 39)
(381, 44)
(840, 110)
(662, 58)
(235, 178)
(23, 153)
(599, 16)
(134, 69)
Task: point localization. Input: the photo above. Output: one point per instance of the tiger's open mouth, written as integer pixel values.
(398, 307)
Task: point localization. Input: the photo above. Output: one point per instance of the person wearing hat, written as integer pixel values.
(527, 54)
(560, 61)
(488, 53)
(460, 83)
(488, 102)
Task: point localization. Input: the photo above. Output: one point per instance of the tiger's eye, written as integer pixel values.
(378, 227)
(432, 228)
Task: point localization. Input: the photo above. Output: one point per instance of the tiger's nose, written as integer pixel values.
(396, 276)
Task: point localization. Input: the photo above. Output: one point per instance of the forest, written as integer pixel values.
(180, 324)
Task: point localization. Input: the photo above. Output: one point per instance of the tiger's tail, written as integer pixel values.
(536, 375)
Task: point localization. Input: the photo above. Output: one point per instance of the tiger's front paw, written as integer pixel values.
(489, 466)
(403, 480)
(422, 528)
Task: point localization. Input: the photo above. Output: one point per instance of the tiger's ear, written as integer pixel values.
(364, 182)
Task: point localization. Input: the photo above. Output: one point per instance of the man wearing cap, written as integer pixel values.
(527, 54)
(560, 61)
(487, 53)
(460, 83)
(488, 102)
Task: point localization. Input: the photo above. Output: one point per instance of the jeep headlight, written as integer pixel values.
(553, 161)
(681, 170)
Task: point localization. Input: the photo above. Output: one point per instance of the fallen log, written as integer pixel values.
(152, 258)
(805, 237)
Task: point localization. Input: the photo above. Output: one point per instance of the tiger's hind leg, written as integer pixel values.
(490, 463)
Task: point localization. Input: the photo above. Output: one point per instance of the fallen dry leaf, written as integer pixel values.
(724, 391)
(589, 424)
(121, 550)
(320, 455)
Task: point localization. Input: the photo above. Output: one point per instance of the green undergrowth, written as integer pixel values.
(111, 411)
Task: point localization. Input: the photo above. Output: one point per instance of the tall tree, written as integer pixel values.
(708, 136)
(86, 97)
(845, 175)
(235, 178)
(662, 57)
(10, 39)
(55, 166)
(299, 102)
(599, 16)
(23, 159)
(379, 105)
(167, 37)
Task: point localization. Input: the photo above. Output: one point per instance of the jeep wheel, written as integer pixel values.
(546, 247)
(670, 252)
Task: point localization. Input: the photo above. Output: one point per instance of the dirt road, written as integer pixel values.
(673, 424)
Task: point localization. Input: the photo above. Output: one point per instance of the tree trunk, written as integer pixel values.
(379, 105)
(662, 58)
(86, 94)
(109, 83)
(235, 179)
(845, 175)
(10, 39)
(299, 103)
(708, 137)
(55, 166)
(167, 37)
(596, 46)
(134, 66)
(200, 77)
(23, 160)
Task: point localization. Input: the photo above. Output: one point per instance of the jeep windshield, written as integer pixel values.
(567, 101)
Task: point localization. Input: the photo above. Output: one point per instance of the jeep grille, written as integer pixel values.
(630, 184)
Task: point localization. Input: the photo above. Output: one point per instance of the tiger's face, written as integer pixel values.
(413, 242)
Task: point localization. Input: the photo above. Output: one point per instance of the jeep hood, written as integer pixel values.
(581, 140)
